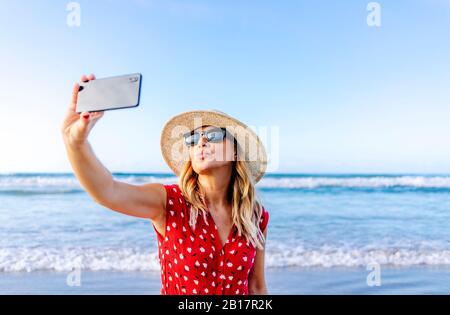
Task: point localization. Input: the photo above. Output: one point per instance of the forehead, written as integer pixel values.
(205, 127)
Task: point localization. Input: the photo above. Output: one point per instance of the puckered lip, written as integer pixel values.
(202, 154)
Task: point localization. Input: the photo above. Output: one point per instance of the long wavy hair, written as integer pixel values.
(246, 206)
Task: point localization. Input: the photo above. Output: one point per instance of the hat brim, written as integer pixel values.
(176, 154)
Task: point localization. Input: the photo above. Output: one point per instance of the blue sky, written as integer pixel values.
(346, 97)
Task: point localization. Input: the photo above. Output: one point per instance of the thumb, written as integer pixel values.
(85, 117)
(84, 121)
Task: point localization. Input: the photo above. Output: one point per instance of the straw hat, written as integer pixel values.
(176, 153)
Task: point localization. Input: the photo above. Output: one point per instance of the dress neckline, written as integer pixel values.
(216, 232)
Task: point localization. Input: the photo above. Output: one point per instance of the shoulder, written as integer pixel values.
(175, 199)
(172, 188)
(264, 218)
(173, 191)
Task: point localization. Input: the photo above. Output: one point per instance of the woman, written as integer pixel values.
(211, 227)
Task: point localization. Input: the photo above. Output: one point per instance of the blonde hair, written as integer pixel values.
(246, 206)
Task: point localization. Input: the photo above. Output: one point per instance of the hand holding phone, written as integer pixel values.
(76, 127)
(85, 109)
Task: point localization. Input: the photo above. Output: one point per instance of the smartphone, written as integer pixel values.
(123, 91)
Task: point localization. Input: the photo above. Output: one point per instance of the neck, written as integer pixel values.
(215, 188)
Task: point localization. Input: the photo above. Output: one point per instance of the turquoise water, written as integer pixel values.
(48, 223)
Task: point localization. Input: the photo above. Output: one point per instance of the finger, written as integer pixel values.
(97, 115)
(91, 77)
(82, 124)
(84, 78)
(73, 101)
(85, 116)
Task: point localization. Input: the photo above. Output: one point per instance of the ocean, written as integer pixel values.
(332, 228)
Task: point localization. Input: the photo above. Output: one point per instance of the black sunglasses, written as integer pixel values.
(212, 135)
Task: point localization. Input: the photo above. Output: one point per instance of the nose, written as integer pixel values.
(202, 141)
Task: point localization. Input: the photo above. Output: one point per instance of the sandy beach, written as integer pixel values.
(290, 281)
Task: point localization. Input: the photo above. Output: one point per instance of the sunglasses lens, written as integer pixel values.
(215, 136)
(192, 139)
(212, 136)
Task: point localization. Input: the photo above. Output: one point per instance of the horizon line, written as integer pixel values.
(266, 174)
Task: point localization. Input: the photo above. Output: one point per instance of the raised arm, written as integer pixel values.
(144, 201)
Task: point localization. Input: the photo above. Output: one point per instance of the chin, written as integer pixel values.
(203, 167)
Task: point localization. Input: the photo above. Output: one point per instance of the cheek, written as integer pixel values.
(219, 153)
(192, 157)
(225, 152)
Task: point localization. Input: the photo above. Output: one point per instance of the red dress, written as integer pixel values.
(194, 262)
